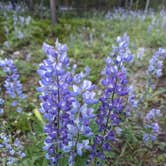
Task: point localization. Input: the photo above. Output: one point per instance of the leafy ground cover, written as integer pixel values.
(89, 41)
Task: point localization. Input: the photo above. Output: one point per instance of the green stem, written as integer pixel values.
(77, 139)
(58, 118)
(109, 113)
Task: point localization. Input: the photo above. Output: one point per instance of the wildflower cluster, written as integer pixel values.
(68, 100)
(11, 6)
(12, 151)
(19, 28)
(152, 128)
(66, 104)
(153, 73)
(123, 14)
(113, 106)
(156, 63)
(19, 22)
(12, 83)
(56, 99)
(81, 115)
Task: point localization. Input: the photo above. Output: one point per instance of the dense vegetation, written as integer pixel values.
(95, 4)
(140, 137)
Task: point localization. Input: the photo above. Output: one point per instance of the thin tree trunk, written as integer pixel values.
(78, 7)
(99, 5)
(41, 9)
(53, 11)
(147, 5)
(119, 3)
(66, 3)
(126, 4)
(163, 4)
(137, 3)
(31, 4)
(85, 6)
(131, 4)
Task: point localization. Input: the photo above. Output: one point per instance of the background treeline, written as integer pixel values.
(98, 4)
(82, 6)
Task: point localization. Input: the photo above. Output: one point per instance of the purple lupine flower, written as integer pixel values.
(113, 99)
(131, 98)
(154, 71)
(80, 146)
(156, 63)
(12, 150)
(20, 35)
(152, 134)
(1, 105)
(152, 114)
(66, 105)
(149, 137)
(22, 20)
(12, 83)
(56, 99)
(71, 159)
(152, 128)
(6, 44)
(28, 20)
(155, 127)
(81, 114)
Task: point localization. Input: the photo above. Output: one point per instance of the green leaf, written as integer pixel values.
(38, 115)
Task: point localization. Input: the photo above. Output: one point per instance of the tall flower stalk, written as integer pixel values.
(153, 73)
(12, 83)
(81, 114)
(56, 99)
(11, 149)
(155, 67)
(65, 104)
(114, 98)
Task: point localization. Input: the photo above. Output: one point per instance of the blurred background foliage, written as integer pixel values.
(97, 4)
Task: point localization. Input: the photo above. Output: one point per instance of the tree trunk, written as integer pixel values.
(78, 5)
(30, 4)
(163, 4)
(99, 5)
(126, 4)
(53, 11)
(119, 3)
(41, 9)
(147, 5)
(137, 4)
(131, 4)
(66, 3)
